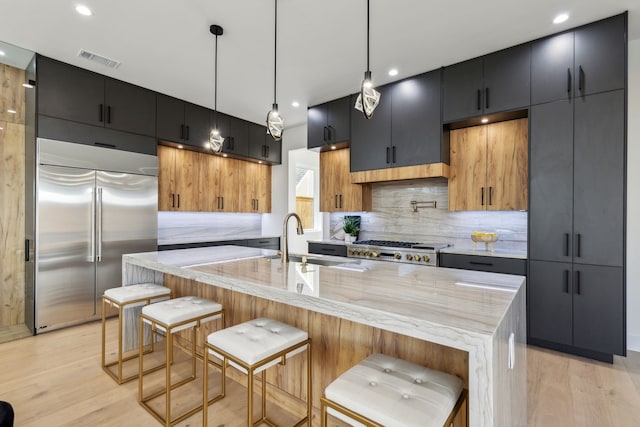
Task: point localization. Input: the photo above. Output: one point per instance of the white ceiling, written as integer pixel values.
(165, 45)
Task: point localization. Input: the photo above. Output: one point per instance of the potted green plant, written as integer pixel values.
(351, 228)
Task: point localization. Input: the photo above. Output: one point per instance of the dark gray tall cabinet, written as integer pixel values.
(576, 288)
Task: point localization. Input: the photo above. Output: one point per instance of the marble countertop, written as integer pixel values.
(372, 292)
(481, 251)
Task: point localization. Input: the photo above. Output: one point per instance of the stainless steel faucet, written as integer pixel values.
(285, 239)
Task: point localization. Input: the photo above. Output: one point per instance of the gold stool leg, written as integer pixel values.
(250, 398)
(169, 350)
(104, 330)
(309, 388)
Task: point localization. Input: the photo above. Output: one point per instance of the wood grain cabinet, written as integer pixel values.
(337, 193)
(177, 186)
(586, 61)
(255, 188)
(405, 128)
(489, 167)
(329, 123)
(490, 84)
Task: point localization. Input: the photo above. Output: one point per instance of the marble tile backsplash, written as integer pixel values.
(189, 227)
(392, 218)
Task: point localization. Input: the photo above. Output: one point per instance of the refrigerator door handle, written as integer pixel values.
(92, 233)
(99, 225)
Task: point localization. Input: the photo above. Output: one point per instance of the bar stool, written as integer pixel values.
(382, 391)
(252, 347)
(121, 298)
(166, 318)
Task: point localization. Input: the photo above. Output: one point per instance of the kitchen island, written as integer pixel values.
(468, 323)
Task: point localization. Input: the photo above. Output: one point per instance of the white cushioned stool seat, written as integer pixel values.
(178, 310)
(394, 392)
(252, 341)
(125, 294)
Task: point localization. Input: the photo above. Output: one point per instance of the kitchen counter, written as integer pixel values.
(498, 253)
(475, 312)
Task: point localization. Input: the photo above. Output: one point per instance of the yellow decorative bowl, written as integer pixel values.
(483, 237)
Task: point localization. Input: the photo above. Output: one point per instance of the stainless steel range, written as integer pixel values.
(406, 252)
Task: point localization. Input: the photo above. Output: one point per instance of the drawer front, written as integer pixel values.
(485, 263)
(266, 243)
(327, 249)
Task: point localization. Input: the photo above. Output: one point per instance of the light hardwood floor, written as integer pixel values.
(55, 379)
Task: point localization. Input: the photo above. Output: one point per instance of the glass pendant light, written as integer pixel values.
(275, 122)
(215, 138)
(368, 98)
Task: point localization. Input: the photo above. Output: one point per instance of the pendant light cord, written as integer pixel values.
(215, 84)
(275, 51)
(368, 69)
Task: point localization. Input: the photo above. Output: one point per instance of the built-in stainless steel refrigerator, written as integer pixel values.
(93, 205)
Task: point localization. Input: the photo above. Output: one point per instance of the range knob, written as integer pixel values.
(366, 253)
(374, 254)
(409, 257)
(416, 257)
(351, 252)
(425, 258)
(397, 255)
(358, 252)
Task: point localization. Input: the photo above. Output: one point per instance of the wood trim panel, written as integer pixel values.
(433, 170)
(337, 344)
(12, 96)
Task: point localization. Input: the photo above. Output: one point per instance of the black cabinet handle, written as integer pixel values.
(482, 196)
(580, 78)
(181, 131)
(336, 201)
(479, 100)
(566, 244)
(257, 204)
(326, 133)
(26, 250)
(480, 263)
(566, 281)
(578, 245)
(393, 155)
(101, 113)
(569, 80)
(490, 195)
(178, 201)
(486, 98)
(340, 200)
(222, 200)
(173, 201)
(217, 202)
(108, 113)
(388, 155)
(577, 282)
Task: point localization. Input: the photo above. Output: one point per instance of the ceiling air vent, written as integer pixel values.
(111, 63)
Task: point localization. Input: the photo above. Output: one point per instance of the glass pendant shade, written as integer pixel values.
(368, 98)
(275, 123)
(215, 140)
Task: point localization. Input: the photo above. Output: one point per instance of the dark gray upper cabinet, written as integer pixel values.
(405, 129)
(262, 147)
(235, 133)
(552, 68)
(598, 206)
(588, 60)
(551, 181)
(490, 84)
(329, 123)
(182, 122)
(600, 56)
(416, 132)
(71, 93)
(370, 139)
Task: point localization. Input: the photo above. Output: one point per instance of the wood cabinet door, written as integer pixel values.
(507, 154)
(130, 108)
(551, 181)
(468, 171)
(598, 299)
(598, 188)
(552, 69)
(549, 301)
(262, 187)
(208, 183)
(600, 54)
(166, 178)
(254, 182)
(70, 93)
(416, 131)
(187, 170)
(229, 184)
(332, 171)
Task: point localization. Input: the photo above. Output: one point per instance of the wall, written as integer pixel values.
(633, 198)
(188, 227)
(392, 218)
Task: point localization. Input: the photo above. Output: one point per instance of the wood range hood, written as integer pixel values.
(432, 170)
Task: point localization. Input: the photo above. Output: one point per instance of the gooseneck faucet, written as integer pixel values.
(285, 239)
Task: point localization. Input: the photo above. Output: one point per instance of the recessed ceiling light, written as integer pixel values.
(2, 53)
(295, 104)
(485, 120)
(12, 111)
(83, 10)
(393, 72)
(560, 18)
